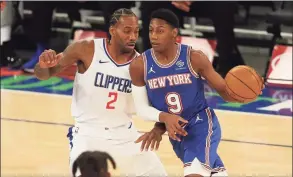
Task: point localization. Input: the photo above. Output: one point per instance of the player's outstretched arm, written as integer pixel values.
(51, 63)
(201, 64)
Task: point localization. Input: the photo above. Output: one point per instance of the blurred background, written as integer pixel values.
(230, 33)
(257, 137)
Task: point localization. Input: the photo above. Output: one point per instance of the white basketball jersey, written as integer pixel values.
(102, 95)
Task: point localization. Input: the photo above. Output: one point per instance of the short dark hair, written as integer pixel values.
(91, 163)
(119, 13)
(167, 15)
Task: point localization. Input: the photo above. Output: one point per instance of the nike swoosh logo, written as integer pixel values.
(103, 61)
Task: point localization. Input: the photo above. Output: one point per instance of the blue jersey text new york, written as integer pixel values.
(175, 87)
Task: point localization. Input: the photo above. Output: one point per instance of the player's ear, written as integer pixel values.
(112, 31)
(175, 32)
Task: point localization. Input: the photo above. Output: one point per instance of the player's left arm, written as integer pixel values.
(139, 93)
(201, 64)
(143, 107)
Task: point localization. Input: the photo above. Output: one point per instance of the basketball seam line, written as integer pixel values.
(252, 74)
(236, 94)
(244, 84)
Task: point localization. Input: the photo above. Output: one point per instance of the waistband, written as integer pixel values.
(103, 131)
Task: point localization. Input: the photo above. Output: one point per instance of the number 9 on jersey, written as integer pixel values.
(173, 100)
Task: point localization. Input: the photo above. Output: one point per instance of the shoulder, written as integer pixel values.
(137, 63)
(198, 60)
(136, 70)
(85, 49)
(80, 48)
(84, 44)
(197, 54)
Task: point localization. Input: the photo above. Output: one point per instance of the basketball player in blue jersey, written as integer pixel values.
(102, 104)
(168, 88)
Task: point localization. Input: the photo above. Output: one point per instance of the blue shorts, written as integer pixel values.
(204, 135)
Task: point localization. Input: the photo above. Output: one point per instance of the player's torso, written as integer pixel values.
(102, 94)
(174, 87)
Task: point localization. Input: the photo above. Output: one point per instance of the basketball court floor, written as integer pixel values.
(35, 116)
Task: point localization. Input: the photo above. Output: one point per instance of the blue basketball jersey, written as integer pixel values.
(175, 87)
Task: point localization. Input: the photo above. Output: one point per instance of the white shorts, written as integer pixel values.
(119, 143)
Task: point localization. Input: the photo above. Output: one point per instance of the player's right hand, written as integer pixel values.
(174, 125)
(49, 59)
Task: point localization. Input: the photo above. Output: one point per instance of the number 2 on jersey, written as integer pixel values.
(173, 100)
(113, 96)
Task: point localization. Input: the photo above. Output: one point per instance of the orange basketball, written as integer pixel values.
(244, 83)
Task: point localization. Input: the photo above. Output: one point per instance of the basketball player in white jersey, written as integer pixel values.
(102, 100)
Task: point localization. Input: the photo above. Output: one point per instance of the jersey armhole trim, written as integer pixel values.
(144, 59)
(93, 60)
(188, 58)
(111, 59)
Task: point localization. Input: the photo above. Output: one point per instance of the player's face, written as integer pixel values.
(161, 34)
(125, 33)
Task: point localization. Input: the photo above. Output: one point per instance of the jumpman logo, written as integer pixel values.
(197, 119)
(151, 70)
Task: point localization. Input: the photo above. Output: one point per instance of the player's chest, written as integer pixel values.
(158, 77)
(113, 78)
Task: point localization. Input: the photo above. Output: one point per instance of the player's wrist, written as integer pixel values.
(160, 128)
(162, 117)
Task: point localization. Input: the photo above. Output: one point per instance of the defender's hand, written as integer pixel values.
(49, 59)
(152, 138)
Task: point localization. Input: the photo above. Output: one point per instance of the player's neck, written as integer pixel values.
(168, 55)
(118, 55)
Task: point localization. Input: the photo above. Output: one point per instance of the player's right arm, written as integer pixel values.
(144, 109)
(51, 63)
(201, 64)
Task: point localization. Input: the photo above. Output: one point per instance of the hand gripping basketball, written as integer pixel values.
(49, 59)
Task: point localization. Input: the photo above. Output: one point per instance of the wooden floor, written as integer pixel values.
(34, 127)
